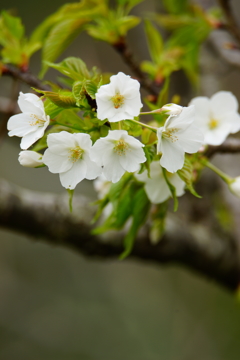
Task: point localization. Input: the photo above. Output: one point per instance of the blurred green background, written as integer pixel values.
(57, 305)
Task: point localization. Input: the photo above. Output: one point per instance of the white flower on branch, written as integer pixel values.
(234, 187)
(156, 186)
(177, 136)
(217, 117)
(118, 152)
(30, 158)
(69, 155)
(120, 99)
(31, 124)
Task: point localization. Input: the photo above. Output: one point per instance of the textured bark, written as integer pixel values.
(46, 217)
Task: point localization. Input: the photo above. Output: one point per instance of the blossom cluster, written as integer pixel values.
(75, 157)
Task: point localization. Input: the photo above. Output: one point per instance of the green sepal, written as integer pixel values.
(172, 190)
(186, 174)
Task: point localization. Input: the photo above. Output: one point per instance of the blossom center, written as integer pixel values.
(118, 100)
(213, 123)
(37, 121)
(121, 147)
(169, 134)
(76, 154)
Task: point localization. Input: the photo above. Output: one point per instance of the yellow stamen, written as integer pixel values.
(121, 147)
(37, 121)
(118, 100)
(213, 123)
(76, 154)
(169, 134)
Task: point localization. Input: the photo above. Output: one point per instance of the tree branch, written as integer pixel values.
(230, 146)
(46, 217)
(24, 76)
(127, 56)
(231, 22)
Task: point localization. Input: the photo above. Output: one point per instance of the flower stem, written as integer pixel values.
(145, 125)
(220, 173)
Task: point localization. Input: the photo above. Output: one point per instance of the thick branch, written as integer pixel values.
(46, 217)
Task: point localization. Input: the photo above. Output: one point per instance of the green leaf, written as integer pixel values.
(62, 98)
(60, 36)
(154, 40)
(72, 67)
(126, 23)
(140, 207)
(186, 174)
(51, 109)
(158, 224)
(172, 189)
(176, 6)
(13, 24)
(91, 88)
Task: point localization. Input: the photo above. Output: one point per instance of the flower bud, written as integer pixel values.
(30, 158)
(234, 187)
(172, 109)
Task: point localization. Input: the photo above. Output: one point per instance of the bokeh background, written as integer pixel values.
(57, 305)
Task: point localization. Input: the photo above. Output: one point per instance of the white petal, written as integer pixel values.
(191, 139)
(72, 177)
(172, 156)
(31, 103)
(93, 169)
(183, 120)
(100, 150)
(20, 125)
(202, 110)
(112, 170)
(61, 142)
(179, 184)
(218, 135)
(56, 163)
(131, 160)
(234, 120)
(223, 102)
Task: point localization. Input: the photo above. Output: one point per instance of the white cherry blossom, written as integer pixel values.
(156, 187)
(31, 124)
(177, 136)
(118, 152)
(69, 155)
(120, 99)
(30, 158)
(234, 187)
(217, 117)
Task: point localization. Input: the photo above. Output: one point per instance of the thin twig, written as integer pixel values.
(231, 22)
(127, 56)
(26, 77)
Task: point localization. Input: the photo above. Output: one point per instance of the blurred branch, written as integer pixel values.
(230, 146)
(46, 217)
(221, 41)
(127, 56)
(231, 22)
(24, 76)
